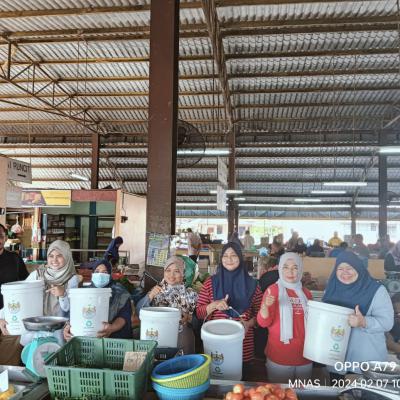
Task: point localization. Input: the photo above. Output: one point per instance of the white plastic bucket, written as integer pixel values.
(327, 333)
(88, 310)
(160, 324)
(223, 341)
(21, 300)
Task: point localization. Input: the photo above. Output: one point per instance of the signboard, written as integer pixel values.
(19, 171)
(221, 198)
(158, 250)
(13, 196)
(46, 198)
(222, 172)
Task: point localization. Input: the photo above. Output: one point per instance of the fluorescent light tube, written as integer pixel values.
(229, 191)
(208, 152)
(389, 149)
(328, 191)
(308, 200)
(78, 176)
(196, 204)
(345, 183)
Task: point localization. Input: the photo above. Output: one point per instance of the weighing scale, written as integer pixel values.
(34, 354)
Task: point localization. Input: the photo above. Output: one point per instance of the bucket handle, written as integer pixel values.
(230, 308)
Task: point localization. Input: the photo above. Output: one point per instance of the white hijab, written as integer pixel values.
(285, 306)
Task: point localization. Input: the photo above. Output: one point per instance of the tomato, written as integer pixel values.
(290, 394)
(237, 396)
(257, 396)
(271, 386)
(263, 390)
(238, 388)
(228, 396)
(279, 393)
(251, 391)
(271, 397)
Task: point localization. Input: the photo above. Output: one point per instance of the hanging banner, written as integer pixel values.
(222, 171)
(46, 198)
(221, 198)
(19, 171)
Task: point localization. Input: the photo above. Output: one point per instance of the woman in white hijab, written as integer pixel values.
(59, 275)
(284, 312)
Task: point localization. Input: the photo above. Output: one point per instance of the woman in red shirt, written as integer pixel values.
(229, 291)
(284, 311)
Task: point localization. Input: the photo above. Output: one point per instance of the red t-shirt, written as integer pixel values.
(206, 297)
(277, 351)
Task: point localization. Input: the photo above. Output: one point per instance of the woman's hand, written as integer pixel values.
(248, 324)
(154, 292)
(3, 327)
(67, 332)
(58, 291)
(186, 317)
(107, 330)
(221, 305)
(269, 300)
(357, 320)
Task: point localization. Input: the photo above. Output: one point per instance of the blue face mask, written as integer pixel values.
(100, 279)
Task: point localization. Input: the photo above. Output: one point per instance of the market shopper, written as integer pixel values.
(119, 324)
(300, 247)
(194, 244)
(393, 337)
(232, 292)
(172, 293)
(335, 240)
(12, 269)
(112, 252)
(392, 259)
(350, 285)
(284, 311)
(315, 250)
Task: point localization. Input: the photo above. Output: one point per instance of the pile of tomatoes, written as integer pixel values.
(268, 391)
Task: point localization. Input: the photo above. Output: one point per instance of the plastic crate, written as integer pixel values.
(91, 368)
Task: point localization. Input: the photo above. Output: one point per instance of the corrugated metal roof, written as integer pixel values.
(311, 86)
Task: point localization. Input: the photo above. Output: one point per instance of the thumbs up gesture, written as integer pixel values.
(357, 320)
(269, 299)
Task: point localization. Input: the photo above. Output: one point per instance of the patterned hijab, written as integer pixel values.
(177, 296)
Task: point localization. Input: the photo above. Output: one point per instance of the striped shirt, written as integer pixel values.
(206, 297)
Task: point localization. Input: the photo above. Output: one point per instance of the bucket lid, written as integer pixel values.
(160, 312)
(89, 291)
(330, 307)
(223, 328)
(22, 285)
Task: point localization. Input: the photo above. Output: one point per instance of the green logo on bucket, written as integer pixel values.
(89, 312)
(14, 307)
(337, 333)
(14, 318)
(89, 324)
(217, 358)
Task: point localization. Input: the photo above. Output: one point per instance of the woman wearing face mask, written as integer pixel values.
(119, 325)
(59, 276)
(172, 293)
(283, 312)
(229, 292)
(350, 285)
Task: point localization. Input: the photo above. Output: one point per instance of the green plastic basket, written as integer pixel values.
(91, 368)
